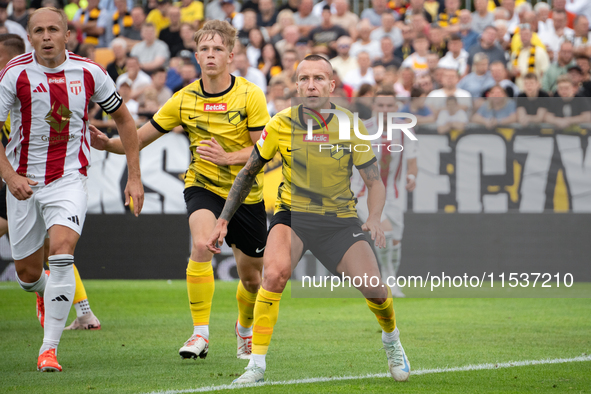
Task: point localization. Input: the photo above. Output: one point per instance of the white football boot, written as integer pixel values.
(397, 361)
(196, 346)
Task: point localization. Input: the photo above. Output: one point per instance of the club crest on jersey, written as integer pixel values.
(235, 117)
(76, 87)
(337, 152)
(221, 107)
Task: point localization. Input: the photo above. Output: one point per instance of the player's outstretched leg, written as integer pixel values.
(85, 319)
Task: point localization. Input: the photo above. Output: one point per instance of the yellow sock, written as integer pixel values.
(266, 311)
(80, 293)
(384, 313)
(200, 286)
(246, 302)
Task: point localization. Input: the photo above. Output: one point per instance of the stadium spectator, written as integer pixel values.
(545, 23)
(426, 83)
(304, 18)
(513, 17)
(530, 18)
(344, 17)
(186, 33)
(158, 16)
(498, 110)
(479, 79)
(419, 24)
(449, 88)
(417, 107)
(561, 27)
(270, 61)
(11, 26)
(249, 22)
(569, 110)
(404, 50)
(452, 117)
(560, 5)
(133, 35)
(405, 83)
(503, 37)
(171, 35)
(267, 16)
(291, 5)
(582, 37)
(359, 76)
(532, 103)
(120, 20)
(499, 73)
(363, 100)
(417, 60)
(230, 12)
(191, 12)
(118, 66)
(456, 57)
(449, 17)
(157, 91)
(291, 35)
(388, 28)
(289, 62)
(469, 36)
(242, 68)
(92, 21)
(437, 43)
(327, 33)
(432, 63)
(284, 19)
(256, 41)
(487, 45)
(138, 80)
(585, 64)
(576, 74)
(416, 7)
(529, 58)
(151, 53)
(344, 62)
(276, 91)
(559, 67)
(579, 7)
(387, 58)
(188, 76)
(215, 9)
(20, 14)
(374, 14)
(432, 7)
(364, 43)
(481, 17)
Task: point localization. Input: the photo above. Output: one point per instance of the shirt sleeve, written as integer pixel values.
(169, 116)
(105, 93)
(268, 144)
(257, 115)
(362, 159)
(7, 98)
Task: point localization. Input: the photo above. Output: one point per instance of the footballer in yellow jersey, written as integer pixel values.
(315, 212)
(229, 117)
(224, 116)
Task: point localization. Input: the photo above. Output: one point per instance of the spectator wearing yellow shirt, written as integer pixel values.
(158, 18)
(191, 11)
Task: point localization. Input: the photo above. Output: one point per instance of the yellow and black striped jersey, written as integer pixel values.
(6, 131)
(316, 171)
(229, 117)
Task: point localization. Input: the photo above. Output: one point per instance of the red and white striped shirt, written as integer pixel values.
(49, 114)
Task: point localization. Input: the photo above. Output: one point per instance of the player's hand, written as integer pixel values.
(216, 240)
(135, 191)
(377, 234)
(213, 151)
(411, 182)
(20, 186)
(98, 139)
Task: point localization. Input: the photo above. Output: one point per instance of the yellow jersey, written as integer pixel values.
(229, 117)
(191, 13)
(316, 171)
(6, 131)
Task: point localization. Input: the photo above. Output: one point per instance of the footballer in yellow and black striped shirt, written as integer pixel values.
(315, 212)
(224, 116)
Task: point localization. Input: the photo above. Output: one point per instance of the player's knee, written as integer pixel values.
(275, 280)
(251, 284)
(200, 249)
(28, 274)
(61, 246)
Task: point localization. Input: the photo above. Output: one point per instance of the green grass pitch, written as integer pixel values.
(145, 322)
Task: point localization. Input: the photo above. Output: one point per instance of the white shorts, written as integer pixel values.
(62, 202)
(392, 211)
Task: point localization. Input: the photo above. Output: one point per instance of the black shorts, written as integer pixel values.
(248, 227)
(327, 237)
(3, 202)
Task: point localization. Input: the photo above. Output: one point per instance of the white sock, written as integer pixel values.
(243, 331)
(390, 336)
(385, 257)
(258, 360)
(201, 330)
(82, 308)
(35, 287)
(395, 259)
(59, 293)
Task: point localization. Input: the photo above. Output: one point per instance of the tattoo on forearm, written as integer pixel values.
(372, 173)
(242, 185)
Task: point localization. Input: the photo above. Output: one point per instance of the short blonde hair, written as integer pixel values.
(61, 13)
(223, 29)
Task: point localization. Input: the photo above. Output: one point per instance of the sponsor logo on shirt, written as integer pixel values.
(316, 138)
(215, 107)
(56, 80)
(261, 140)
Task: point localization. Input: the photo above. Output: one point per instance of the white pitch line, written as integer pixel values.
(476, 367)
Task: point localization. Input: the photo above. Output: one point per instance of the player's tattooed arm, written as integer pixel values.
(370, 173)
(376, 196)
(242, 185)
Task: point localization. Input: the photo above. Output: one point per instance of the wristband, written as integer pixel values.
(411, 176)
